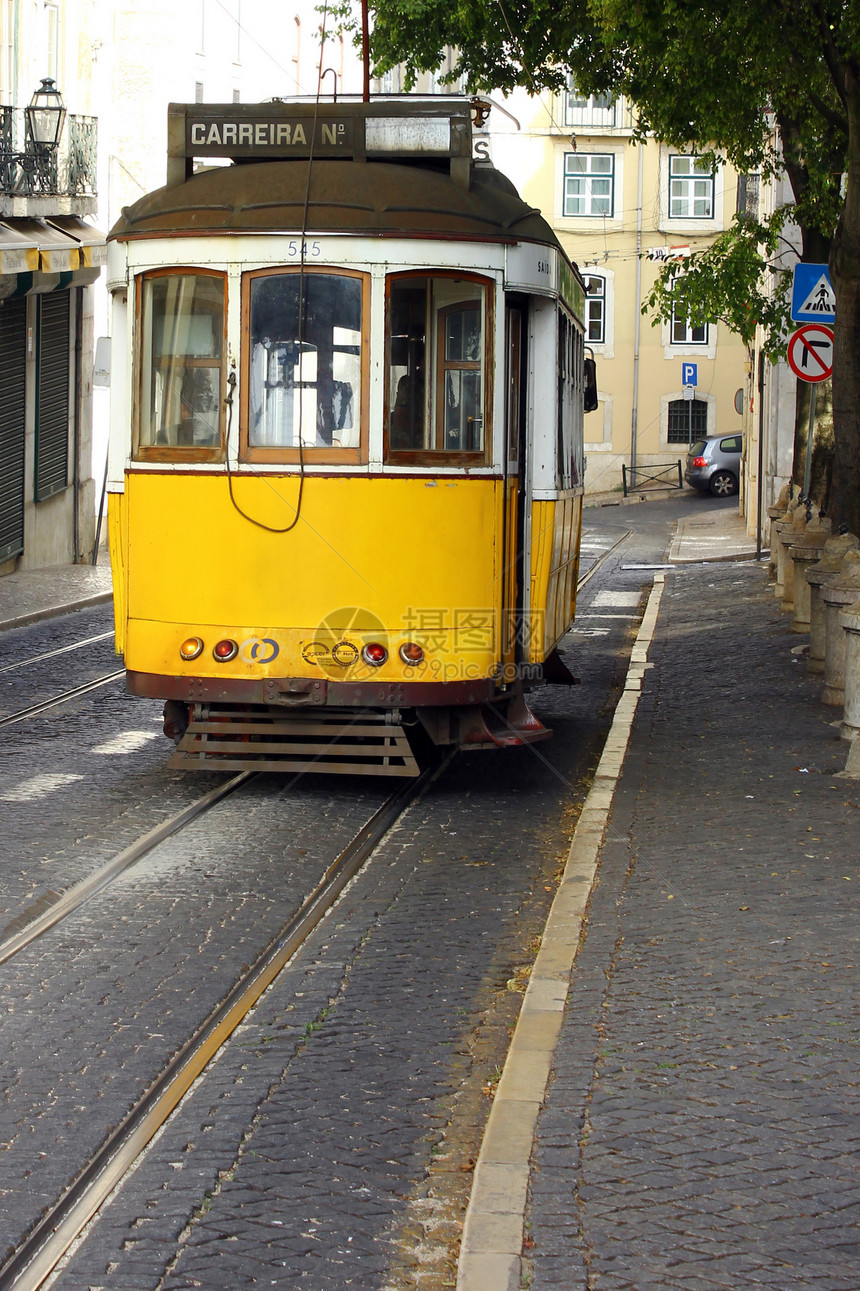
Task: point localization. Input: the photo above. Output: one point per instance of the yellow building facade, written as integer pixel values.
(621, 209)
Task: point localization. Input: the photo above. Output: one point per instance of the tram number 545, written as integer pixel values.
(295, 248)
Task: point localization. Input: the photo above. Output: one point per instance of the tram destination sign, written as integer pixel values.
(283, 130)
(214, 131)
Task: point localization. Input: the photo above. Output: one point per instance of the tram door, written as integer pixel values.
(516, 390)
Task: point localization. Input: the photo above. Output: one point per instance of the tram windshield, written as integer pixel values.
(181, 355)
(438, 326)
(305, 360)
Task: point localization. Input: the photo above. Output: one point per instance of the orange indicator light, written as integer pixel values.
(191, 648)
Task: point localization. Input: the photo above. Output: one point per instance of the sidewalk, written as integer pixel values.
(35, 594)
(679, 1106)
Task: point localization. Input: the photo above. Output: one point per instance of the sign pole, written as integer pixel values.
(810, 431)
(760, 490)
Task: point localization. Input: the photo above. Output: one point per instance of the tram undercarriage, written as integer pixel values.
(309, 738)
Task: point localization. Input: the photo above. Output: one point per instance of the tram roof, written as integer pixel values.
(363, 198)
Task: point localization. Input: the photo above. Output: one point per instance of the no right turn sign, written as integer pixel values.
(810, 352)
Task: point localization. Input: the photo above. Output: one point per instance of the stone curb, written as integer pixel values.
(54, 611)
(491, 1249)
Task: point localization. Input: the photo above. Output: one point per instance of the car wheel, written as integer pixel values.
(723, 484)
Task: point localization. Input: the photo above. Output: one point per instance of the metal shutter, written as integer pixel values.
(52, 402)
(13, 358)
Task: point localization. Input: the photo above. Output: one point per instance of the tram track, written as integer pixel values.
(50, 1239)
(23, 930)
(71, 900)
(53, 654)
(34, 710)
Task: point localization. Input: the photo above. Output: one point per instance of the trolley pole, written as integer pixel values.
(365, 50)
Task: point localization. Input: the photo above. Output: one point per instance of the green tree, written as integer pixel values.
(718, 74)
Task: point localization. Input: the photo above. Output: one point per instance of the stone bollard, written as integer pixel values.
(849, 620)
(781, 527)
(841, 589)
(775, 513)
(788, 538)
(829, 563)
(807, 549)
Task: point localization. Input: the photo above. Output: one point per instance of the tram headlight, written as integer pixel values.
(225, 650)
(411, 653)
(191, 648)
(375, 654)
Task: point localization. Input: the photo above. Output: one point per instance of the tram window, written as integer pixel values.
(437, 326)
(305, 361)
(181, 364)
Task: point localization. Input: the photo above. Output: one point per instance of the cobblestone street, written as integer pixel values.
(702, 1127)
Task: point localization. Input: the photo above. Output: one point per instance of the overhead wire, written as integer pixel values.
(300, 327)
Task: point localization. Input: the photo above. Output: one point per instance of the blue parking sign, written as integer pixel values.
(689, 374)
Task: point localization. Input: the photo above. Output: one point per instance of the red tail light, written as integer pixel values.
(374, 654)
(225, 650)
(699, 461)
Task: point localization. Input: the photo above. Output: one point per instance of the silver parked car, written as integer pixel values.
(714, 464)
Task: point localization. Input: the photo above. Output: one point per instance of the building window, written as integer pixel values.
(588, 109)
(684, 332)
(595, 309)
(52, 398)
(691, 188)
(688, 420)
(749, 188)
(589, 183)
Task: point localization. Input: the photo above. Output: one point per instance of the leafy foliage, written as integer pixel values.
(714, 75)
(727, 283)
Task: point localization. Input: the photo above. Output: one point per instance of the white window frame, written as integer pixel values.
(592, 297)
(683, 188)
(589, 176)
(683, 332)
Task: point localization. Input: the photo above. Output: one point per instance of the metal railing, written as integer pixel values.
(70, 171)
(651, 477)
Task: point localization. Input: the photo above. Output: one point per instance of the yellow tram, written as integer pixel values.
(345, 479)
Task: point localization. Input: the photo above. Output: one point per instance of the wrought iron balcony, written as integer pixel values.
(68, 171)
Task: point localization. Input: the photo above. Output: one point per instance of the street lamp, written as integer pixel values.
(45, 115)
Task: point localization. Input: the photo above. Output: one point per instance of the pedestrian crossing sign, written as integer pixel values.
(812, 298)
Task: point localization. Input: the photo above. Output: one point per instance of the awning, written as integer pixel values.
(19, 251)
(38, 256)
(62, 244)
(93, 248)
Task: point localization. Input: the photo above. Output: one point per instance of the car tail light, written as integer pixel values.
(374, 654)
(411, 653)
(699, 461)
(191, 648)
(225, 651)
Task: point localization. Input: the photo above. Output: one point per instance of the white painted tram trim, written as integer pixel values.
(491, 1249)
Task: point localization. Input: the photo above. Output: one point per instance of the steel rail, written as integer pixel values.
(50, 1239)
(52, 654)
(600, 560)
(35, 709)
(75, 897)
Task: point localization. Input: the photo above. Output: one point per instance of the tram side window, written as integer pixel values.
(570, 400)
(436, 326)
(181, 364)
(305, 361)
